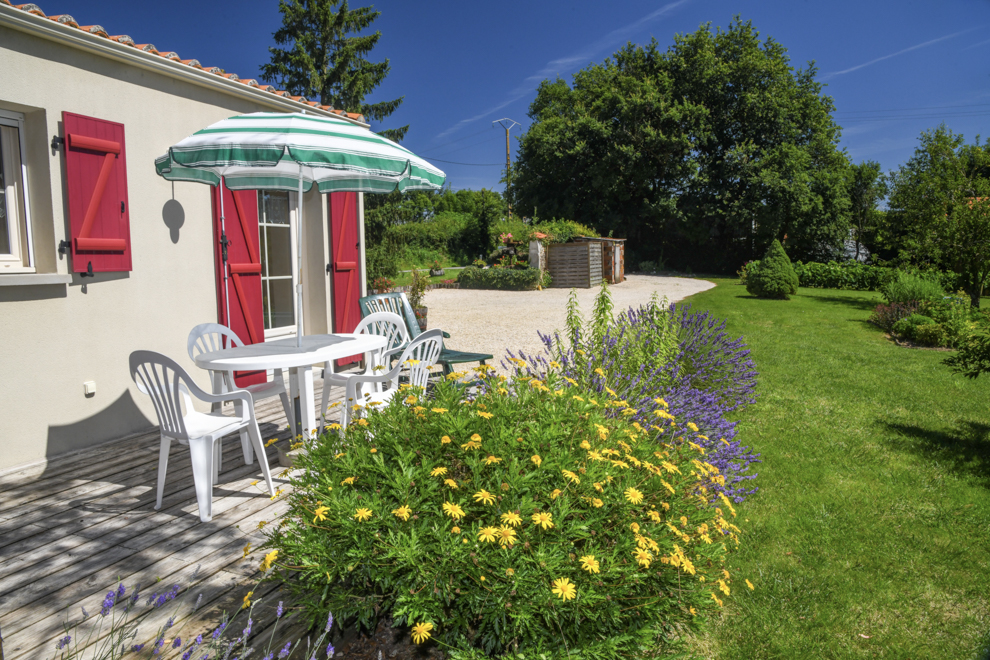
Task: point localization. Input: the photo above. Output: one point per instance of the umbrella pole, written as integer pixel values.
(299, 286)
(223, 254)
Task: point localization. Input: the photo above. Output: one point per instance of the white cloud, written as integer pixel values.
(567, 64)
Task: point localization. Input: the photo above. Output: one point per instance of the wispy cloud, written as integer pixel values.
(978, 43)
(566, 64)
(925, 44)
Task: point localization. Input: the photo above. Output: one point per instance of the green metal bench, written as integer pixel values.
(398, 303)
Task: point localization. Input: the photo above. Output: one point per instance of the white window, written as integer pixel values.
(15, 217)
(277, 262)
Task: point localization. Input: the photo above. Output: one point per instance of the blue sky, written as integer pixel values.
(894, 68)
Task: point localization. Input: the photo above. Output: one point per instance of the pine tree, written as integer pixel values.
(774, 277)
(321, 62)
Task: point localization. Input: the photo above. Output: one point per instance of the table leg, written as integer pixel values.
(308, 405)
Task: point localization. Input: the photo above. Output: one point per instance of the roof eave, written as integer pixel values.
(53, 31)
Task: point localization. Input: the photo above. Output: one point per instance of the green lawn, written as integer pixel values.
(870, 534)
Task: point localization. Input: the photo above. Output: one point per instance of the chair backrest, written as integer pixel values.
(395, 302)
(167, 384)
(421, 354)
(209, 337)
(385, 324)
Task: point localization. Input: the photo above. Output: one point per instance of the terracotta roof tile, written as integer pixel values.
(97, 30)
(65, 19)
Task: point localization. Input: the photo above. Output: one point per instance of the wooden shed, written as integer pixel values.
(575, 265)
(613, 257)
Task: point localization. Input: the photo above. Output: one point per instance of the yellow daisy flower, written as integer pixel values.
(411, 399)
(421, 632)
(320, 513)
(486, 415)
(247, 600)
(571, 476)
(439, 411)
(654, 515)
(543, 519)
(634, 527)
(445, 440)
(487, 534)
(511, 518)
(750, 585)
(473, 443)
(484, 496)
(362, 514)
(267, 562)
(536, 460)
(451, 483)
(598, 487)
(492, 460)
(438, 472)
(585, 444)
(453, 510)
(590, 564)
(643, 558)
(506, 536)
(348, 481)
(402, 512)
(634, 495)
(565, 589)
(555, 494)
(597, 503)
(455, 530)
(509, 572)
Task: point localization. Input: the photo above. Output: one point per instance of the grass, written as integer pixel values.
(870, 534)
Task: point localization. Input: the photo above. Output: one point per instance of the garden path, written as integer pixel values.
(497, 321)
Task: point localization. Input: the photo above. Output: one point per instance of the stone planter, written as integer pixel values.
(421, 317)
(287, 458)
(436, 272)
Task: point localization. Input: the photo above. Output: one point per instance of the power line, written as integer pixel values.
(928, 107)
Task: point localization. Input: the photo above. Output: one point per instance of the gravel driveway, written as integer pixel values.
(496, 321)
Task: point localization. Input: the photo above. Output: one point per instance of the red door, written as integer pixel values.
(345, 260)
(241, 293)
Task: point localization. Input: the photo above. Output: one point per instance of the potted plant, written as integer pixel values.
(436, 270)
(417, 289)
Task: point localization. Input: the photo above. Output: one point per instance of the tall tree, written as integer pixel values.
(322, 60)
(702, 155)
(939, 207)
(867, 187)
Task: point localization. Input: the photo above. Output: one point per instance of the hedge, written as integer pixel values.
(855, 276)
(525, 279)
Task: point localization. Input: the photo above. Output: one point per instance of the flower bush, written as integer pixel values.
(886, 315)
(528, 518)
(670, 353)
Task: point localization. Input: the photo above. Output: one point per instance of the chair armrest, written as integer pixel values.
(446, 335)
(350, 390)
(202, 395)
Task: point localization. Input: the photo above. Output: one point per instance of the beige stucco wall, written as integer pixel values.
(56, 337)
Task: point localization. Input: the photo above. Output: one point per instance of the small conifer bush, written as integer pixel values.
(774, 277)
(517, 519)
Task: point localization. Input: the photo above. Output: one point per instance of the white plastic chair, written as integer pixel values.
(419, 356)
(209, 337)
(385, 324)
(171, 390)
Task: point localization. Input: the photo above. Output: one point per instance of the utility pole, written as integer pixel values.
(507, 126)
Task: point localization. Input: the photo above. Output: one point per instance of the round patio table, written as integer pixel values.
(299, 360)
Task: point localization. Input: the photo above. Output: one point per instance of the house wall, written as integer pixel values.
(57, 336)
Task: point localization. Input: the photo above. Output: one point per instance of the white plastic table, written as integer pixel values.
(299, 360)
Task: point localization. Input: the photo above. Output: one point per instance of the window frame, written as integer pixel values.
(16, 120)
(288, 330)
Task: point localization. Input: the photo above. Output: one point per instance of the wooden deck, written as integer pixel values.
(71, 531)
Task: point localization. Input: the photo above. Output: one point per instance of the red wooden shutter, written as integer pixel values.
(243, 286)
(345, 256)
(96, 182)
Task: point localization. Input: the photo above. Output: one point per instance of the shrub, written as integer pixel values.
(907, 287)
(526, 520)
(417, 288)
(930, 334)
(525, 279)
(845, 275)
(649, 267)
(886, 315)
(383, 260)
(774, 277)
(955, 316)
(906, 326)
(706, 377)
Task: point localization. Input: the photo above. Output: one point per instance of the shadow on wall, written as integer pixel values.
(120, 418)
(174, 217)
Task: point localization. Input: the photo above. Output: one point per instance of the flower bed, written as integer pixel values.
(534, 517)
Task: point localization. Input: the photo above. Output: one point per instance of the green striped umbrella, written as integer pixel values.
(292, 151)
